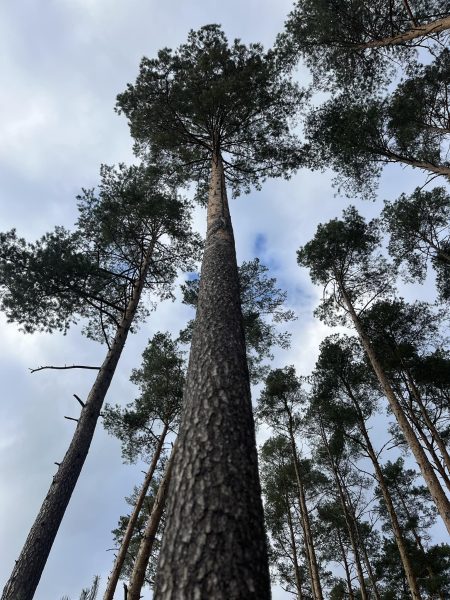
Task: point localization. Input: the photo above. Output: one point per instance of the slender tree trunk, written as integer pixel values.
(309, 541)
(351, 594)
(151, 529)
(425, 165)
(429, 423)
(418, 541)
(214, 543)
(298, 578)
(414, 33)
(121, 555)
(438, 494)
(348, 517)
(399, 539)
(28, 568)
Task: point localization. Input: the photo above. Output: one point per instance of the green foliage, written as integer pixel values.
(90, 273)
(419, 228)
(161, 381)
(211, 97)
(138, 533)
(342, 258)
(88, 593)
(332, 38)
(263, 309)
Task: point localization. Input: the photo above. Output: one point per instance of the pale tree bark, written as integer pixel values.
(151, 529)
(398, 534)
(214, 543)
(436, 491)
(122, 553)
(306, 525)
(419, 31)
(298, 578)
(28, 568)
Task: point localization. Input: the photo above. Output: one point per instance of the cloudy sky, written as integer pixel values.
(62, 64)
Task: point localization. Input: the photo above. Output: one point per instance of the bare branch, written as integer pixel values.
(65, 367)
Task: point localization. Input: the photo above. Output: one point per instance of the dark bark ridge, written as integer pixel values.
(214, 544)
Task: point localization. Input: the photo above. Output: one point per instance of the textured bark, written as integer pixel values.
(214, 543)
(425, 30)
(121, 555)
(298, 577)
(398, 535)
(438, 494)
(151, 529)
(28, 569)
(306, 525)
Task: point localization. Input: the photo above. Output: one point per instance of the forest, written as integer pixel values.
(247, 414)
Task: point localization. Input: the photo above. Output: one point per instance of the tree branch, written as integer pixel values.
(65, 367)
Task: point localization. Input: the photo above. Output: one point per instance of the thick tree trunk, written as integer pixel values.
(121, 555)
(399, 539)
(28, 568)
(214, 543)
(438, 494)
(425, 30)
(306, 524)
(151, 529)
(298, 578)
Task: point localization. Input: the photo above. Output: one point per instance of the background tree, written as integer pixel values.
(143, 427)
(211, 108)
(263, 309)
(342, 258)
(361, 43)
(418, 225)
(131, 236)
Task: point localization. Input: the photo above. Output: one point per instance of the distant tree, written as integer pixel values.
(356, 138)
(278, 406)
(342, 257)
(361, 43)
(345, 395)
(88, 593)
(215, 112)
(419, 228)
(287, 553)
(144, 425)
(131, 237)
(263, 309)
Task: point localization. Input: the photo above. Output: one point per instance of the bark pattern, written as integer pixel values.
(214, 543)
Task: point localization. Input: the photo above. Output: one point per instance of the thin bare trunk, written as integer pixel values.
(399, 539)
(351, 594)
(429, 423)
(298, 578)
(348, 517)
(29, 567)
(121, 555)
(151, 529)
(309, 541)
(441, 500)
(425, 30)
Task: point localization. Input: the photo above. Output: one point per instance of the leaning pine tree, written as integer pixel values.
(221, 113)
(131, 238)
